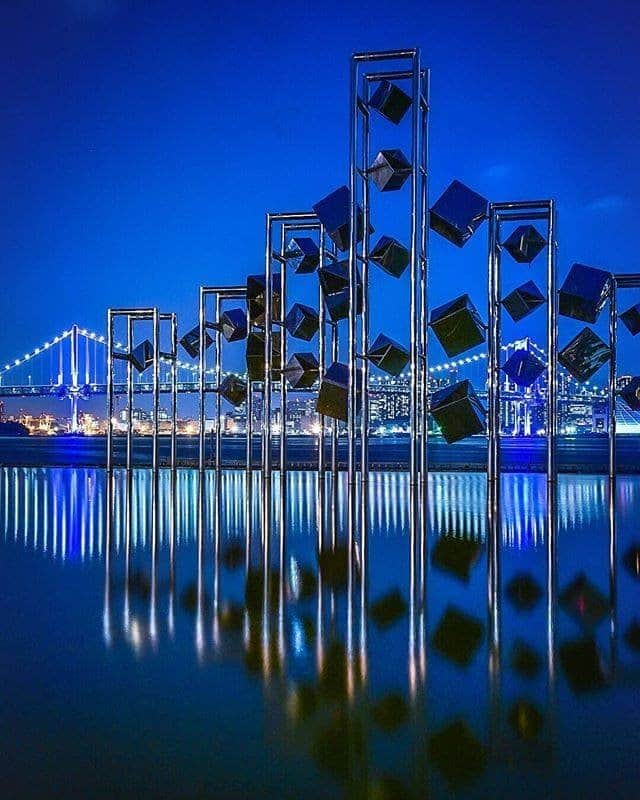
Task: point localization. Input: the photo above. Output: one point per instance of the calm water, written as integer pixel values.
(587, 454)
(142, 656)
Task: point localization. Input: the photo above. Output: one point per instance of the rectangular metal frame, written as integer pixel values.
(132, 315)
(220, 293)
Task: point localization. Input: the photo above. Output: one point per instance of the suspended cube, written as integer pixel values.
(632, 635)
(523, 368)
(302, 370)
(191, 342)
(524, 660)
(142, 356)
(333, 395)
(388, 355)
(233, 324)
(334, 212)
(523, 301)
(390, 255)
(255, 355)
(303, 255)
(389, 170)
(584, 292)
(458, 412)
(390, 101)
(458, 213)
(584, 355)
(302, 322)
(584, 601)
(234, 390)
(457, 326)
(631, 319)
(524, 244)
(631, 394)
(458, 636)
(456, 555)
(388, 609)
(334, 281)
(256, 297)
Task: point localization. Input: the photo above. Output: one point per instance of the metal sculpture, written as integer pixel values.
(147, 354)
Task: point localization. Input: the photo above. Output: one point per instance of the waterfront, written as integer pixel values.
(144, 662)
(585, 454)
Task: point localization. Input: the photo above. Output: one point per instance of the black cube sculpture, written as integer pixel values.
(584, 355)
(232, 324)
(390, 101)
(523, 300)
(389, 170)
(390, 256)
(333, 395)
(303, 255)
(458, 412)
(457, 325)
(524, 244)
(631, 394)
(631, 319)
(458, 213)
(334, 281)
(191, 342)
(255, 355)
(334, 212)
(388, 355)
(302, 370)
(302, 322)
(584, 292)
(523, 368)
(256, 298)
(458, 636)
(142, 356)
(234, 390)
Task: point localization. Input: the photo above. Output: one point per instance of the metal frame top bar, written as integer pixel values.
(392, 75)
(229, 291)
(522, 205)
(385, 55)
(628, 280)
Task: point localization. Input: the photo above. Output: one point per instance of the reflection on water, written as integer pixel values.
(475, 671)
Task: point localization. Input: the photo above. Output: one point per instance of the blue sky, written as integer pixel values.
(143, 142)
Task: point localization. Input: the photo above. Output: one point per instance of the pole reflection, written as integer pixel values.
(360, 640)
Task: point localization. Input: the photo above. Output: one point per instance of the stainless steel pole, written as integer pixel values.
(201, 378)
(109, 391)
(156, 386)
(353, 310)
(613, 371)
(416, 269)
(552, 348)
(129, 393)
(218, 381)
(174, 390)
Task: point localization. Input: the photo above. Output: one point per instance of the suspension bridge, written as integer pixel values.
(72, 367)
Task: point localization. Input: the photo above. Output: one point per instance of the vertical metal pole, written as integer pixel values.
(109, 391)
(156, 386)
(322, 365)
(552, 349)
(249, 426)
(493, 343)
(283, 356)
(424, 283)
(268, 322)
(218, 381)
(353, 282)
(416, 268)
(129, 393)
(201, 377)
(174, 389)
(335, 441)
(365, 321)
(613, 371)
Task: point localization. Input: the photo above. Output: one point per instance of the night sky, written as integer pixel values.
(143, 142)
